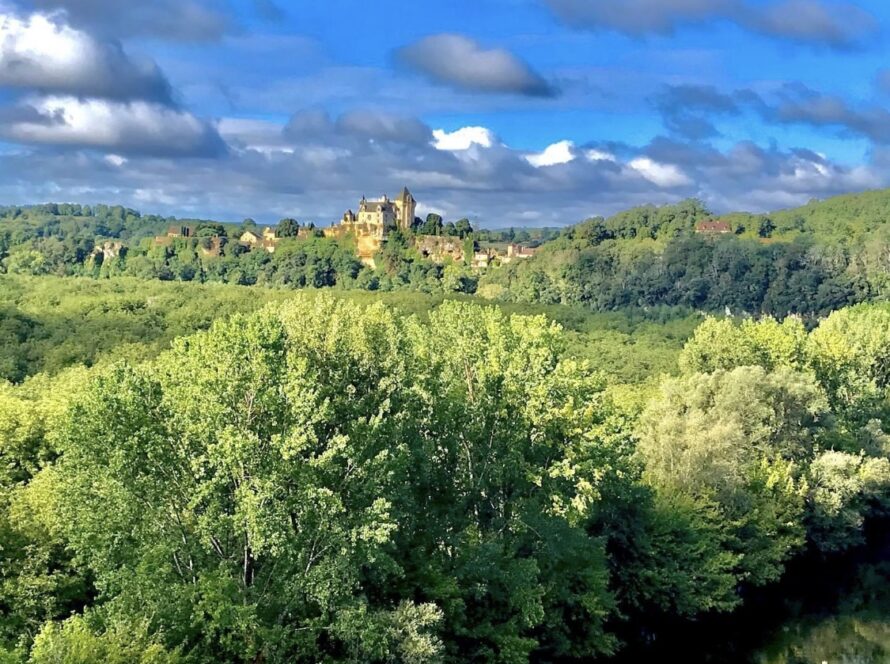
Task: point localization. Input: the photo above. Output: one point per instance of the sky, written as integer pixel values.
(508, 112)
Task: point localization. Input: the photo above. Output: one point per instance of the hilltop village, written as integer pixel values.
(369, 228)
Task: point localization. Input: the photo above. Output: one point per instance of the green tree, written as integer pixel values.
(433, 225)
(722, 344)
(463, 227)
(210, 230)
(735, 438)
(254, 503)
(288, 228)
(850, 353)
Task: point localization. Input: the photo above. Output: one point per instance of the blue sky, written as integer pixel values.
(511, 112)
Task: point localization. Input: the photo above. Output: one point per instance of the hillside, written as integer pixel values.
(807, 260)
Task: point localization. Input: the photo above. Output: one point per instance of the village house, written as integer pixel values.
(250, 238)
(516, 252)
(179, 231)
(267, 239)
(173, 233)
(713, 227)
(482, 259)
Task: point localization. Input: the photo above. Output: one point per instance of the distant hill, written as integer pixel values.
(65, 220)
(807, 260)
(845, 217)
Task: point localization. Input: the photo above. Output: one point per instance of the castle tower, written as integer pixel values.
(406, 207)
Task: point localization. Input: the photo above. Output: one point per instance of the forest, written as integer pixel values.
(291, 457)
(211, 472)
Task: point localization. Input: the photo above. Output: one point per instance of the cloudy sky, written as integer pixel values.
(511, 112)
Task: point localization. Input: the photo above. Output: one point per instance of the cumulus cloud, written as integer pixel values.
(558, 153)
(465, 64)
(181, 20)
(309, 123)
(464, 138)
(561, 184)
(41, 52)
(663, 175)
(134, 127)
(838, 25)
(683, 109)
(638, 17)
(798, 104)
(595, 154)
(829, 23)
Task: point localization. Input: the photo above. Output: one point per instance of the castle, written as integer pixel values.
(374, 221)
(376, 218)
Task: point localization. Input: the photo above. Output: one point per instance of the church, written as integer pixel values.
(376, 218)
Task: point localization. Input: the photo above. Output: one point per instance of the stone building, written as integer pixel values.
(373, 222)
(376, 218)
(250, 238)
(516, 252)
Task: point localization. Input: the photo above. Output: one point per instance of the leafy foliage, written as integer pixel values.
(324, 477)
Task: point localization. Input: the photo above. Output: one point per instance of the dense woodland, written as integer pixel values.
(809, 261)
(214, 472)
(330, 478)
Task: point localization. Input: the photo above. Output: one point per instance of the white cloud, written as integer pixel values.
(463, 138)
(137, 126)
(558, 153)
(663, 175)
(42, 52)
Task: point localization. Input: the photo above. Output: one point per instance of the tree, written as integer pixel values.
(288, 228)
(850, 353)
(432, 225)
(463, 228)
(736, 438)
(722, 344)
(210, 230)
(254, 504)
(845, 489)
(74, 642)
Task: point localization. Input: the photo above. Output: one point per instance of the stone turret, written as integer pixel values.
(406, 208)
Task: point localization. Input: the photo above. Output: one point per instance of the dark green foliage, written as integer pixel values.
(432, 225)
(287, 228)
(653, 256)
